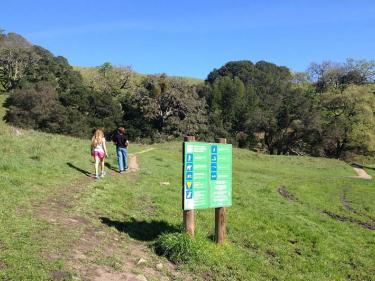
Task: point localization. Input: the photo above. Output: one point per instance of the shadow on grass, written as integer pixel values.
(109, 166)
(141, 230)
(86, 173)
(211, 237)
(357, 165)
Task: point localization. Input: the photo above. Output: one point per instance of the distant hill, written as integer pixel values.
(12, 39)
(88, 72)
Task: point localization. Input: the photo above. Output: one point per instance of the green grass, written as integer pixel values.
(268, 237)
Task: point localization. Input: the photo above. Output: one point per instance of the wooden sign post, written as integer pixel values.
(188, 215)
(220, 219)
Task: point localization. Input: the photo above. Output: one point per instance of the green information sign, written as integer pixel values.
(207, 175)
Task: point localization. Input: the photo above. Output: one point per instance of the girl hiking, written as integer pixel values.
(99, 152)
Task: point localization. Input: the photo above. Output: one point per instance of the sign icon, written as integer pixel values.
(189, 184)
(213, 176)
(213, 158)
(189, 167)
(189, 157)
(189, 176)
(189, 194)
(213, 167)
(214, 149)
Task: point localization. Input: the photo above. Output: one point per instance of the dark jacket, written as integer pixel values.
(120, 140)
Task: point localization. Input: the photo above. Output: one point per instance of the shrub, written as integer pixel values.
(178, 247)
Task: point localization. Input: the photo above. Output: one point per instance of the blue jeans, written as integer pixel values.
(122, 158)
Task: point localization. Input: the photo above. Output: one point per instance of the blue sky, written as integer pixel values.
(190, 38)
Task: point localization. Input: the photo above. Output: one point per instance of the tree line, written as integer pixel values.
(326, 111)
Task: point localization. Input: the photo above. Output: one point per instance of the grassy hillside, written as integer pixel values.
(322, 228)
(88, 72)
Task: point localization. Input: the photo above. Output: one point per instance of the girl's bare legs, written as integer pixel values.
(97, 160)
(102, 165)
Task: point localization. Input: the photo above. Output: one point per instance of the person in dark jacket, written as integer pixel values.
(121, 142)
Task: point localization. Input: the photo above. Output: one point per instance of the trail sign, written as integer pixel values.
(207, 175)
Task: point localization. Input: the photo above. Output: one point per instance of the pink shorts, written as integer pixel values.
(99, 154)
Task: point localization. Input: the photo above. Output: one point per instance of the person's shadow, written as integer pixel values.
(86, 173)
(141, 230)
(109, 166)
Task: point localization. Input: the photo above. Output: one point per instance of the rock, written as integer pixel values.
(165, 183)
(159, 266)
(141, 277)
(141, 261)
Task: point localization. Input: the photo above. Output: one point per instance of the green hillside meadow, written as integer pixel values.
(88, 72)
(322, 228)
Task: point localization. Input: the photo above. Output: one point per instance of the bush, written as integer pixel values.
(37, 107)
(178, 247)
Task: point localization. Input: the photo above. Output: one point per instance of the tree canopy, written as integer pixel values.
(326, 111)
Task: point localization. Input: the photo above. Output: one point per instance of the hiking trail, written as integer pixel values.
(99, 253)
(362, 174)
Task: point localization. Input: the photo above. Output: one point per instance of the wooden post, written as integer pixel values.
(188, 215)
(220, 219)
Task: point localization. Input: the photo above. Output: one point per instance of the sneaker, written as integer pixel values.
(96, 176)
(103, 174)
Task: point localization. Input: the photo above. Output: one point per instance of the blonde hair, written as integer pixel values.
(97, 138)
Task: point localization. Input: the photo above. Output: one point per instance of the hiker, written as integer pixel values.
(121, 142)
(99, 152)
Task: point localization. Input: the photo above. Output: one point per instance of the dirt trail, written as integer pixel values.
(362, 174)
(144, 151)
(133, 163)
(99, 253)
(369, 224)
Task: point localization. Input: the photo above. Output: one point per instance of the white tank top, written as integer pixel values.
(100, 147)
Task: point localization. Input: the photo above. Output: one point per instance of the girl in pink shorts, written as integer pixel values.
(99, 152)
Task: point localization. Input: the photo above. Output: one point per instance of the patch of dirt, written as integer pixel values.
(133, 163)
(367, 225)
(165, 183)
(144, 151)
(97, 244)
(362, 174)
(271, 253)
(133, 166)
(287, 195)
(59, 275)
(347, 206)
(298, 251)
(2, 265)
(16, 131)
(65, 199)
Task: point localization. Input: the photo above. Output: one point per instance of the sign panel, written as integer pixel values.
(207, 175)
